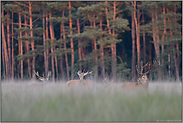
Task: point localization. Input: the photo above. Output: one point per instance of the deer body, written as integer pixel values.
(81, 81)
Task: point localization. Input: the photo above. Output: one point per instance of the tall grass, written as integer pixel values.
(58, 102)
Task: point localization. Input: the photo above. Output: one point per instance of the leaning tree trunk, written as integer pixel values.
(8, 42)
(137, 34)
(133, 47)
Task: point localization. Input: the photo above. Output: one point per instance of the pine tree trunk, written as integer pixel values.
(4, 48)
(144, 41)
(177, 46)
(163, 38)
(3, 60)
(62, 68)
(109, 30)
(61, 57)
(66, 58)
(8, 41)
(56, 66)
(113, 48)
(21, 46)
(95, 55)
(52, 58)
(12, 68)
(102, 54)
(137, 34)
(72, 44)
(133, 47)
(27, 47)
(150, 59)
(32, 41)
(174, 54)
(157, 45)
(44, 44)
(47, 44)
(79, 42)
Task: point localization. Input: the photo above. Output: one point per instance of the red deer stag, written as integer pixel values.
(142, 81)
(81, 81)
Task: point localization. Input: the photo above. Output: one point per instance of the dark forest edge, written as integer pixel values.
(108, 38)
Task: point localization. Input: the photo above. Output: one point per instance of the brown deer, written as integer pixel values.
(142, 82)
(81, 81)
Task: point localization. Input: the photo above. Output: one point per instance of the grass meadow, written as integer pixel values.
(56, 102)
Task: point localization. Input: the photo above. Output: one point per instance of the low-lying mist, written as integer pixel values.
(51, 102)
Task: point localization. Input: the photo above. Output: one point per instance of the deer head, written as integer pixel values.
(82, 74)
(143, 78)
(42, 78)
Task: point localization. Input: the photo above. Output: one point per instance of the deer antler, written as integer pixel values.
(82, 74)
(142, 67)
(41, 78)
(155, 62)
(49, 74)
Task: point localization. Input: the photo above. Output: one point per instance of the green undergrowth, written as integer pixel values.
(58, 102)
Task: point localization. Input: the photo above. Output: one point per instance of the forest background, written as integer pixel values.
(110, 38)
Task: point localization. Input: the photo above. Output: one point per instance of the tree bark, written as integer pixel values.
(32, 41)
(144, 41)
(56, 66)
(12, 67)
(163, 38)
(66, 58)
(157, 45)
(174, 54)
(79, 42)
(4, 48)
(113, 48)
(21, 47)
(72, 44)
(95, 56)
(133, 47)
(52, 58)
(137, 34)
(61, 57)
(102, 54)
(27, 47)
(8, 42)
(47, 44)
(44, 44)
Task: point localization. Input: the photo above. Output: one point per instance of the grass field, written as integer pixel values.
(57, 102)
